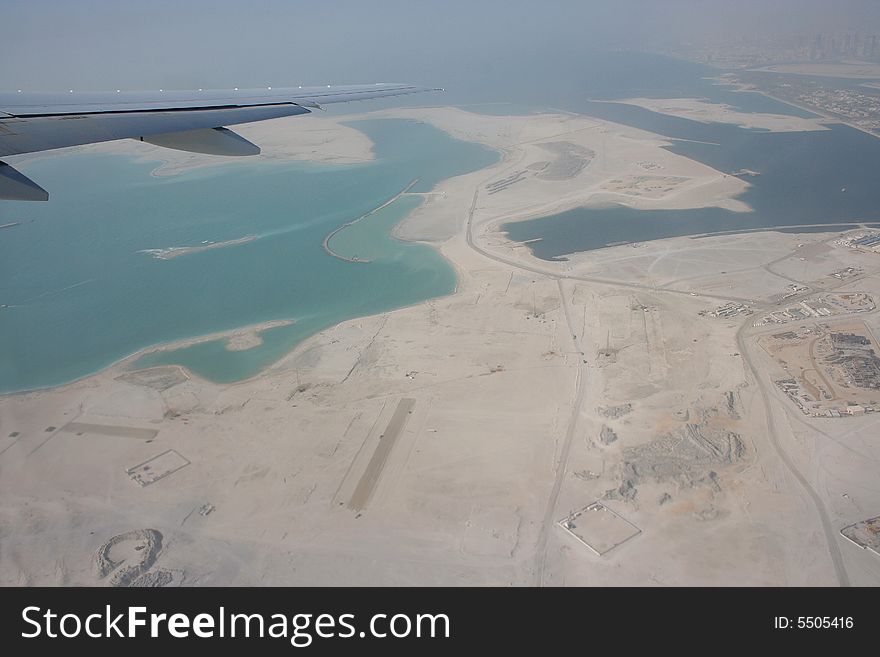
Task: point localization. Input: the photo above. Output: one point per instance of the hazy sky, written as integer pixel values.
(104, 44)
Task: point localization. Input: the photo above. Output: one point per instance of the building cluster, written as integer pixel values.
(820, 307)
(793, 389)
(793, 290)
(850, 360)
(864, 534)
(749, 51)
(830, 46)
(854, 354)
(848, 272)
(794, 313)
(855, 104)
(850, 105)
(862, 241)
(731, 309)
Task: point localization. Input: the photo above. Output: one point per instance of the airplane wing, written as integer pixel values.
(183, 120)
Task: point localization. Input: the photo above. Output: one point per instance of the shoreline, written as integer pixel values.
(183, 343)
(397, 232)
(817, 112)
(702, 110)
(511, 384)
(211, 337)
(508, 158)
(750, 88)
(331, 234)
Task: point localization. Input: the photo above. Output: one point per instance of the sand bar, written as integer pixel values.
(511, 379)
(697, 109)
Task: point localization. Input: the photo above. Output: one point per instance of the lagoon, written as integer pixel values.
(81, 289)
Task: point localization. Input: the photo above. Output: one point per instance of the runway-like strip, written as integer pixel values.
(109, 430)
(370, 478)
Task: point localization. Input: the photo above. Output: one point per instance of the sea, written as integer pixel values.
(80, 288)
(804, 178)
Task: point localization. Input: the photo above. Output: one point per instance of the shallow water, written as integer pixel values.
(81, 294)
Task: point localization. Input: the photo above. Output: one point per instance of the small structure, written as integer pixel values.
(864, 534)
(599, 528)
(158, 467)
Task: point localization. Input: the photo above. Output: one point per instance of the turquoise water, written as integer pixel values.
(80, 296)
(367, 240)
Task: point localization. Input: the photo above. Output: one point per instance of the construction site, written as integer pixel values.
(864, 534)
(831, 370)
(824, 305)
(862, 241)
(610, 419)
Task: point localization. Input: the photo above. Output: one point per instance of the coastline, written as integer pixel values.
(120, 364)
(740, 86)
(704, 111)
(326, 243)
(412, 229)
(639, 157)
(513, 379)
(829, 117)
(714, 189)
(250, 329)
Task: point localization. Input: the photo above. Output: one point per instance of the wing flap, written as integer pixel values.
(15, 186)
(44, 133)
(211, 141)
(185, 120)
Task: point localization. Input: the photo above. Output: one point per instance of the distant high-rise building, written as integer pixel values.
(816, 50)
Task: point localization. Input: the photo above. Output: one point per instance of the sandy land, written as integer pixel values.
(310, 138)
(556, 162)
(845, 69)
(697, 109)
(513, 404)
(239, 339)
(248, 338)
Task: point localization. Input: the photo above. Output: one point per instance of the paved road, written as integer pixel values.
(562, 464)
(580, 392)
(548, 521)
(827, 528)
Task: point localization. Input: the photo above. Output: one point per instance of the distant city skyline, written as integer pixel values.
(98, 44)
